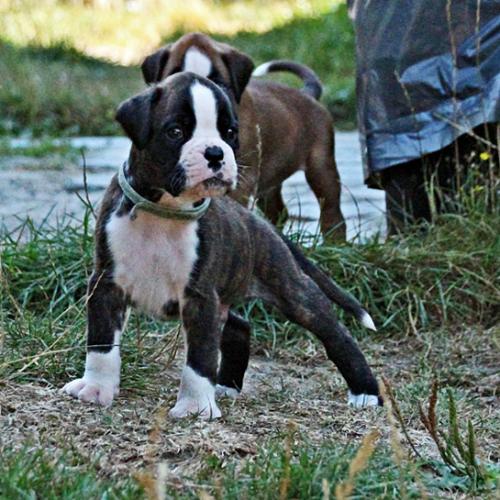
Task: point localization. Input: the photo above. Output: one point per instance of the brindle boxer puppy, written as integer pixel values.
(167, 241)
(282, 129)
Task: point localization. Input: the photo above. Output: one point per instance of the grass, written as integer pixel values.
(297, 469)
(28, 474)
(325, 43)
(286, 466)
(42, 299)
(38, 149)
(93, 29)
(426, 280)
(69, 94)
(434, 294)
(435, 279)
(76, 66)
(32, 473)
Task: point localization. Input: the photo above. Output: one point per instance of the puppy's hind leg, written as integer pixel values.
(323, 177)
(235, 350)
(305, 304)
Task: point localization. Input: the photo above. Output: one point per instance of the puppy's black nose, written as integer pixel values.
(214, 153)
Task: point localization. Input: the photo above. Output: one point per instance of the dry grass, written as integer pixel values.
(345, 489)
(134, 436)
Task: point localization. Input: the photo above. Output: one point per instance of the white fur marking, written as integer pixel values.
(197, 62)
(261, 70)
(252, 202)
(205, 134)
(196, 397)
(101, 380)
(367, 321)
(362, 400)
(228, 392)
(153, 258)
(205, 111)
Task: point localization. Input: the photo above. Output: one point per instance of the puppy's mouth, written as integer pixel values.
(216, 183)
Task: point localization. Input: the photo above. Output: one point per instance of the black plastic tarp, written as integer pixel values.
(428, 71)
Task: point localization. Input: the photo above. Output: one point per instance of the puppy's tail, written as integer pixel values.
(312, 84)
(330, 288)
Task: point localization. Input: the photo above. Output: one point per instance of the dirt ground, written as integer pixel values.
(136, 433)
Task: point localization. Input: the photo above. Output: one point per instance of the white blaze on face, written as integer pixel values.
(205, 135)
(205, 112)
(197, 62)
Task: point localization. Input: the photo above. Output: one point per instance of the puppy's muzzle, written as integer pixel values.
(204, 158)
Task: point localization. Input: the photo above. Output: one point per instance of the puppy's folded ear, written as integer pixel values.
(134, 115)
(154, 64)
(240, 68)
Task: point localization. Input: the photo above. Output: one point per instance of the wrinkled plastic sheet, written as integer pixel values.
(428, 71)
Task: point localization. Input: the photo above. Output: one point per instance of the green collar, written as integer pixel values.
(162, 211)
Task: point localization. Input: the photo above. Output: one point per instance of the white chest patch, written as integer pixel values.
(153, 258)
(197, 62)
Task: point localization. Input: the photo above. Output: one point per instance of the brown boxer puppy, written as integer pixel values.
(169, 242)
(282, 129)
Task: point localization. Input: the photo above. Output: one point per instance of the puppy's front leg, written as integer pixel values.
(201, 323)
(106, 312)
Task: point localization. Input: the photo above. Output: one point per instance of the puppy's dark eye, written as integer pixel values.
(231, 134)
(175, 133)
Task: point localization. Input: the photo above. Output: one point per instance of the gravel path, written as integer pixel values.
(50, 187)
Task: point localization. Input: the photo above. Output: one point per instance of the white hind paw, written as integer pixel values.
(362, 400)
(222, 391)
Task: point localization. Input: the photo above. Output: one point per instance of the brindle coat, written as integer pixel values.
(237, 256)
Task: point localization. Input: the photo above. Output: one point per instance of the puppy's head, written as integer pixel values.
(185, 135)
(205, 57)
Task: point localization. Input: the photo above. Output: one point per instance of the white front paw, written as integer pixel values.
(196, 397)
(101, 380)
(91, 391)
(362, 400)
(222, 391)
(187, 406)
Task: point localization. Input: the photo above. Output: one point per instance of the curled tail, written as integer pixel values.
(312, 84)
(330, 288)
